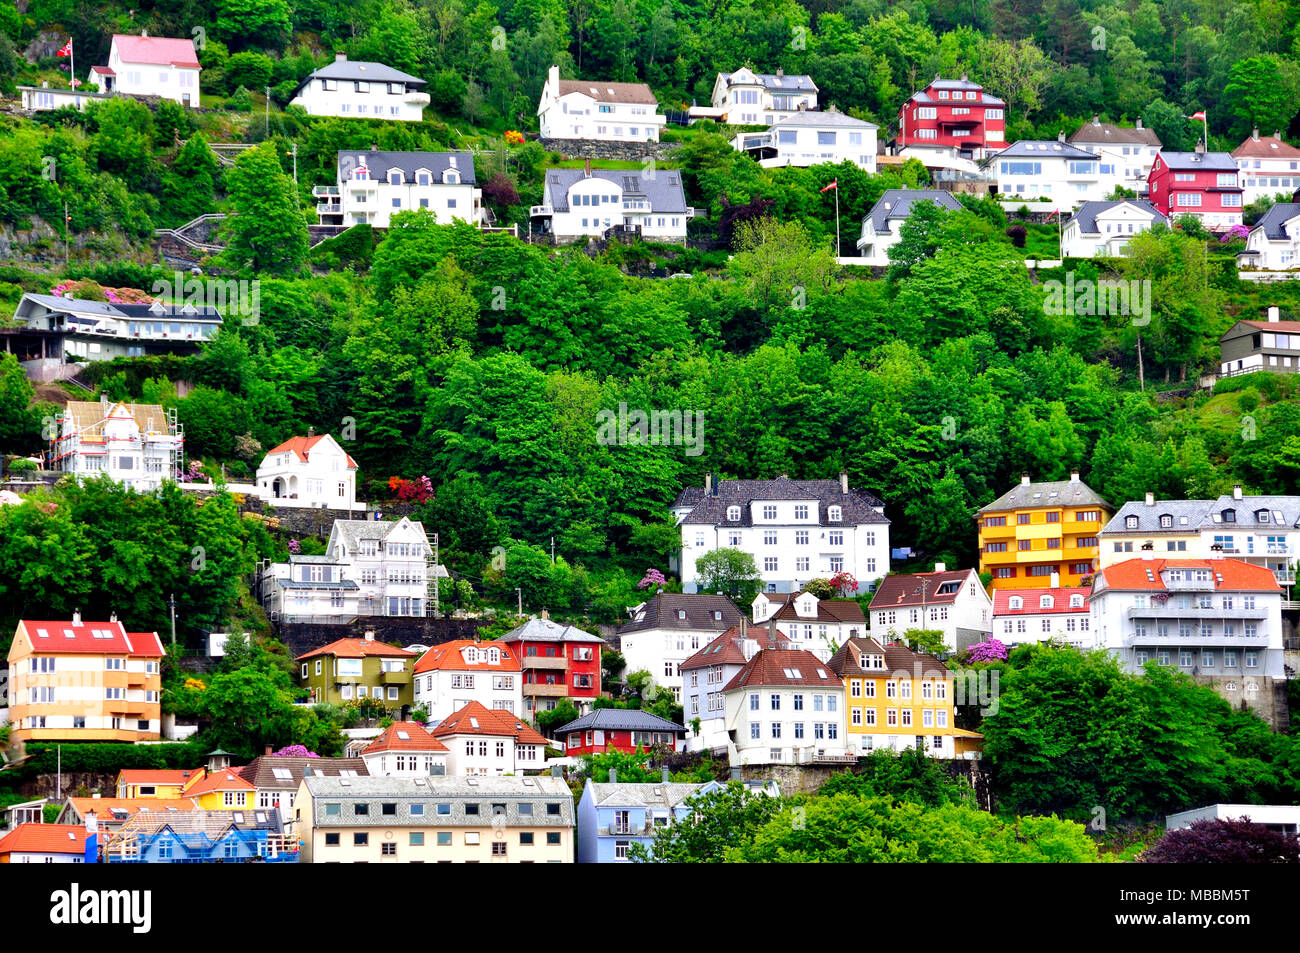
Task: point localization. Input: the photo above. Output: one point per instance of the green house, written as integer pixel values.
(356, 669)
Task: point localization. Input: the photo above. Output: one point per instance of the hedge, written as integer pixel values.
(110, 757)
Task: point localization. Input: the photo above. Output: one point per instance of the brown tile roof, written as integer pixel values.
(606, 92)
(475, 719)
(898, 659)
(416, 738)
(1265, 147)
(260, 772)
(905, 589)
(1109, 132)
(726, 648)
(105, 807)
(783, 667)
(356, 648)
(661, 612)
(828, 610)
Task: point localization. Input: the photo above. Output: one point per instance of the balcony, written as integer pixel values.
(1195, 612)
(1190, 585)
(416, 99)
(329, 208)
(1198, 642)
(998, 532)
(999, 559)
(540, 211)
(137, 679)
(395, 678)
(1284, 577)
(325, 191)
(546, 691)
(547, 662)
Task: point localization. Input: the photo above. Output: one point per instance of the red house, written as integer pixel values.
(558, 661)
(954, 116)
(619, 729)
(1200, 183)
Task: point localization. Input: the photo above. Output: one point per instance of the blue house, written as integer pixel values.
(199, 837)
(612, 817)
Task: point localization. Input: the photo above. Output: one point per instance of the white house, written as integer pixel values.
(952, 602)
(812, 138)
(371, 568)
(596, 109)
(1055, 170)
(1129, 152)
(374, 186)
(1274, 240)
(42, 98)
(785, 706)
(485, 741)
(1268, 167)
(354, 89)
(577, 202)
(1037, 615)
(707, 672)
(1219, 620)
(1103, 229)
(746, 98)
(309, 471)
(451, 675)
(137, 445)
(146, 65)
(819, 626)
(406, 750)
(666, 629)
(796, 530)
(882, 225)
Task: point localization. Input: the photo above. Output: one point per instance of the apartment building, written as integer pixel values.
(746, 98)
(452, 674)
(556, 661)
(707, 672)
(668, 628)
(818, 625)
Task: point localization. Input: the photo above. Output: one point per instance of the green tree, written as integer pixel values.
(731, 572)
(724, 817)
(20, 425)
(265, 230)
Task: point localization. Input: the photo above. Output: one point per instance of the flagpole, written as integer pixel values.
(838, 253)
(72, 63)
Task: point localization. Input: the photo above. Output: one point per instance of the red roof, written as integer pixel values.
(1286, 327)
(1265, 147)
(45, 839)
(102, 70)
(155, 775)
(417, 738)
(227, 779)
(448, 656)
(726, 649)
(357, 648)
(1229, 574)
(784, 667)
(1033, 599)
(474, 719)
(302, 447)
(156, 50)
(113, 639)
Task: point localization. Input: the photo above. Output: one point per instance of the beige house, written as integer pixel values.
(434, 820)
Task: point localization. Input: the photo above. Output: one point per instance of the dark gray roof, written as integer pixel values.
(1044, 148)
(546, 630)
(1217, 161)
(858, 506)
(403, 792)
(364, 71)
(784, 81)
(663, 188)
(1277, 216)
(1247, 509)
(649, 794)
(1105, 132)
(1051, 494)
(897, 203)
(380, 163)
(1086, 214)
(661, 612)
(1187, 515)
(65, 305)
(820, 119)
(620, 719)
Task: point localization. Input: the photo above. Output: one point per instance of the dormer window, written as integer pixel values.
(834, 514)
(1261, 516)
(1230, 516)
(1166, 521)
(1076, 602)
(681, 613)
(1130, 522)
(1046, 602)
(733, 514)
(394, 176)
(1015, 602)
(717, 615)
(422, 178)
(451, 177)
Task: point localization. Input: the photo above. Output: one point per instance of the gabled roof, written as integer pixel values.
(663, 189)
(1226, 574)
(45, 839)
(90, 416)
(727, 649)
(1265, 147)
(1282, 511)
(156, 50)
(661, 611)
(117, 809)
(899, 661)
(620, 719)
(606, 92)
(780, 82)
(1186, 516)
(857, 506)
(548, 630)
(362, 70)
(913, 589)
(783, 667)
(1198, 161)
(357, 648)
(476, 719)
(1244, 327)
(1032, 601)
(828, 610)
(408, 163)
(650, 794)
(1271, 222)
(260, 772)
(1044, 148)
(897, 204)
(91, 638)
(1050, 495)
(1106, 132)
(302, 446)
(1086, 214)
(448, 656)
(404, 736)
(225, 779)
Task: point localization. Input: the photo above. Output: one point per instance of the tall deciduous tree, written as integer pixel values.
(265, 230)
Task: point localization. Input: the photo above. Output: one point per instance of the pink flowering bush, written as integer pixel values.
(295, 751)
(295, 547)
(990, 650)
(653, 577)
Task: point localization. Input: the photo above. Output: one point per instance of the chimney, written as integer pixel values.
(1277, 134)
(1274, 314)
(844, 482)
(144, 34)
(1139, 122)
(1056, 580)
(340, 57)
(1096, 120)
(92, 822)
(1236, 492)
(708, 484)
(940, 567)
(963, 77)
(268, 751)
(311, 432)
(1074, 476)
(613, 776)
(780, 71)
(545, 613)
(553, 78)
(370, 635)
(112, 617)
(1147, 553)
(1151, 498)
(735, 773)
(1060, 136)
(76, 617)
(664, 773)
(1254, 134)
(374, 147)
(1200, 147)
(1024, 479)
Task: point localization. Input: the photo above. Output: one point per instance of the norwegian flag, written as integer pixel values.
(1198, 115)
(67, 49)
(834, 185)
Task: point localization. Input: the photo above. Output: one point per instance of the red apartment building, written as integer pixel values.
(955, 116)
(1200, 183)
(558, 661)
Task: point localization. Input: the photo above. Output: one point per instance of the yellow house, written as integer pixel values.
(1041, 535)
(70, 681)
(223, 788)
(133, 783)
(896, 698)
